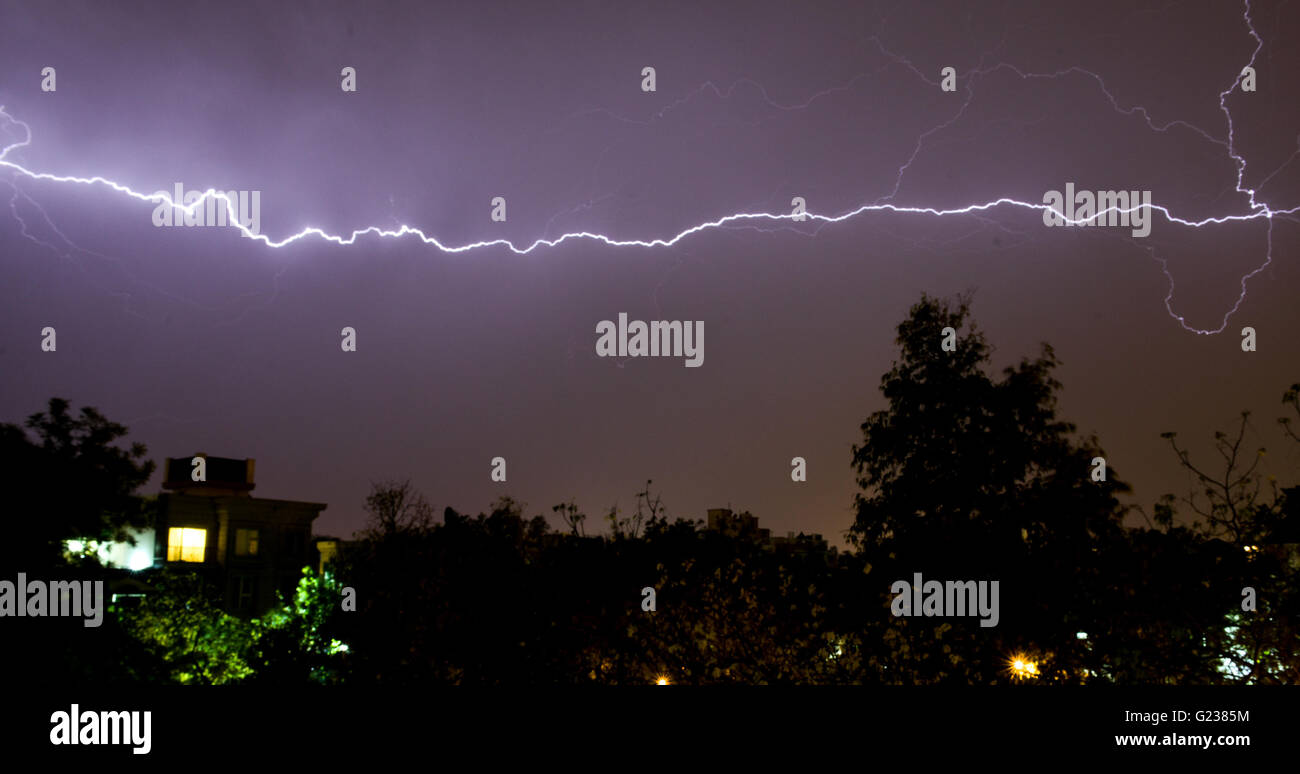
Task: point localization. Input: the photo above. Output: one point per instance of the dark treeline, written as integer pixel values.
(964, 476)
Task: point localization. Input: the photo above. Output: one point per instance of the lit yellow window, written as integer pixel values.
(185, 544)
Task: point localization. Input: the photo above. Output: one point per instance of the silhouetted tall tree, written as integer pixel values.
(965, 477)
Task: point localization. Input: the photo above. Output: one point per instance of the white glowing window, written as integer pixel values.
(186, 544)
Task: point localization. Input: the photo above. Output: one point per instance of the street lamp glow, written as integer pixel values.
(1022, 667)
(661, 681)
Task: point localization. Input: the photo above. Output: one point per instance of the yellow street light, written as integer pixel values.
(1022, 667)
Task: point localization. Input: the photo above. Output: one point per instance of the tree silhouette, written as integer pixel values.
(1247, 522)
(71, 482)
(395, 507)
(966, 477)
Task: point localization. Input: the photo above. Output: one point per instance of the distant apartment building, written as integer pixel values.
(329, 550)
(802, 543)
(737, 525)
(744, 526)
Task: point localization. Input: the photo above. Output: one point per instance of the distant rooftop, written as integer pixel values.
(745, 525)
(224, 476)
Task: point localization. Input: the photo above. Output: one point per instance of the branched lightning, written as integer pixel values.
(1257, 209)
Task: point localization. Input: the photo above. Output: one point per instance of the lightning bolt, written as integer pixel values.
(1256, 209)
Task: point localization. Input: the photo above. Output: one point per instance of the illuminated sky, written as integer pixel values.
(199, 340)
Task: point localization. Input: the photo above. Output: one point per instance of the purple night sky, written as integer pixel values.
(199, 340)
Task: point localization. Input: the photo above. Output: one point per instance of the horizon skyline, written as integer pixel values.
(203, 339)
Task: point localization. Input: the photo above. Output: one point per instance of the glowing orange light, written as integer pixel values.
(1022, 667)
(662, 681)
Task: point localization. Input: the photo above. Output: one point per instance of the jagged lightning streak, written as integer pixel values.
(1257, 209)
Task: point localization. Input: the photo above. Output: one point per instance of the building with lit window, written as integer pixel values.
(249, 546)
